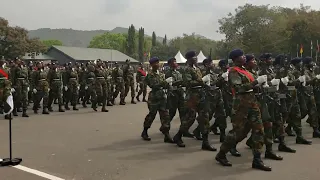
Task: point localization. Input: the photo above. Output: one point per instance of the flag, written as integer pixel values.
(301, 49)
(8, 105)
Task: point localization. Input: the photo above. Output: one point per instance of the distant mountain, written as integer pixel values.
(76, 38)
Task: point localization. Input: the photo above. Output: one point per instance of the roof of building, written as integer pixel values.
(89, 54)
(41, 56)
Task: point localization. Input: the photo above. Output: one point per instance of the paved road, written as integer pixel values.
(89, 145)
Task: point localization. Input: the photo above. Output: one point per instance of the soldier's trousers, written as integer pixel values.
(71, 95)
(157, 104)
(110, 91)
(311, 108)
(293, 114)
(129, 85)
(142, 89)
(216, 108)
(55, 93)
(82, 91)
(227, 100)
(317, 99)
(119, 88)
(91, 92)
(102, 90)
(42, 93)
(20, 97)
(196, 103)
(246, 116)
(176, 102)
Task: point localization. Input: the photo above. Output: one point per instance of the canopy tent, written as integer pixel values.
(201, 57)
(180, 58)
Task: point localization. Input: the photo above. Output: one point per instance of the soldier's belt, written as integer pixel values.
(73, 78)
(291, 88)
(56, 79)
(100, 77)
(308, 88)
(214, 87)
(174, 87)
(196, 87)
(109, 77)
(271, 89)
(42, 79)
(119, 77)
(245, 92)
(3, 78)
(91, 78)
(21, 78)
(282, 96)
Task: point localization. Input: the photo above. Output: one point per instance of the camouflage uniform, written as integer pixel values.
(55, 83)
(90, 81)
(110, 84)
(316, 90)
(101, 87)
(82, 90)
(128, 75)
(117, 75)
(20, 82)
(71, 87)
(140, 77)
(41, 90)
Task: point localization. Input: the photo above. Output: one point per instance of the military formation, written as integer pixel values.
(41, 85)
(263, 95)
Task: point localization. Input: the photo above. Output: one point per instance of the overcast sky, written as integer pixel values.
(171, 17)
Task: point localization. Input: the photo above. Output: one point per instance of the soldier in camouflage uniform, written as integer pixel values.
(109, 81)
(101, 86)
(246, 113)
(20, 83)
(82, 91)
(30, 70)
(128, 75)
(71, 87)
(195, 103)
(140, 76)
(316, 89)
(157, 102)
(90, 81)
(117, 75)
(55, 84)
(5, 84)
(40, 89)
(214, 97)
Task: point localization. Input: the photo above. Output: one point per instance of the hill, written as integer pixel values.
(71, 37)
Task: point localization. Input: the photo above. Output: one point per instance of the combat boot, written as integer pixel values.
(84, 104)
(24, 113)
(122, 102)
(66, 106)
(178, 139)
(144, 99)
(35, 110)
(145, 135)
(132, 101)
(75, 108)
(206, 145)
(316, 133)
(14, 112)
(222, 159)
(197, 134)
(168, 138)
(137, 98)
(302, 140)
(222, 135)
(188, 135)
(234, 152)
(45, 111)
(61, 109)
(50, 109)
(257, 163)
(109, 103)
(288, 130)
(19, 109)
(283, 147)
(269, 154)
(103, 109)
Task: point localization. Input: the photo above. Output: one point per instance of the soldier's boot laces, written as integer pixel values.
(24, 113)
(197, 134)
(206, 145)
(234, 152)
(222, 159)
(214, 130)
(302, 140)
(289, 131)
(168, 138)
(258, 164)
(132, 101)
(145, 135)
(61, 109)
(316, 133)
(75, 108)
(45, 111)
(271, 155)
(178, 139)
(137, 98)
(188, 135)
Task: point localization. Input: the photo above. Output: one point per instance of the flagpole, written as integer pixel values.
(297, 50)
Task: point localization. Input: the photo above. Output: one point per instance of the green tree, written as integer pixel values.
(164, 41)
(141, 44)
(108, 41)
(163, 52)
(131, 41)
(154, 39)
(52, 42)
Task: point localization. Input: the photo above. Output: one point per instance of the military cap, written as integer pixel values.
(278, 58)
(265, 56)
(140, 63)
(206, 60)
(116, 63)
(153, 60)
(128, 60)
(190, 54)
(296, 60)
(235, 53)
(307, 60)
(170, 60)
(249, 57)
(223, 62)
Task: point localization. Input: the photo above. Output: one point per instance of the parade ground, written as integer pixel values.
(88, 145)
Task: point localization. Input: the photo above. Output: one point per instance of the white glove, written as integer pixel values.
(78, 87)
(206, 79)
(225, 75)
(285, 80)
(28, 89)
(302, 78)
(66, 88)
(48, 89)
(109, 77)
(13, 90)
(275, 82)
(262, 79)
(318, 76)
(35, 91)
(265, 85)
(86, 87)
(169, 81)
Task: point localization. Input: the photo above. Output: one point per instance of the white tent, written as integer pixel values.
(201, 57)
(180, 58)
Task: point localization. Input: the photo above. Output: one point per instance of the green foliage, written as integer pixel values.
(164, 42)
(14, 41)
(52, 42)
(109, 41)
(141, 44)
(154, 39)
(131, 42)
